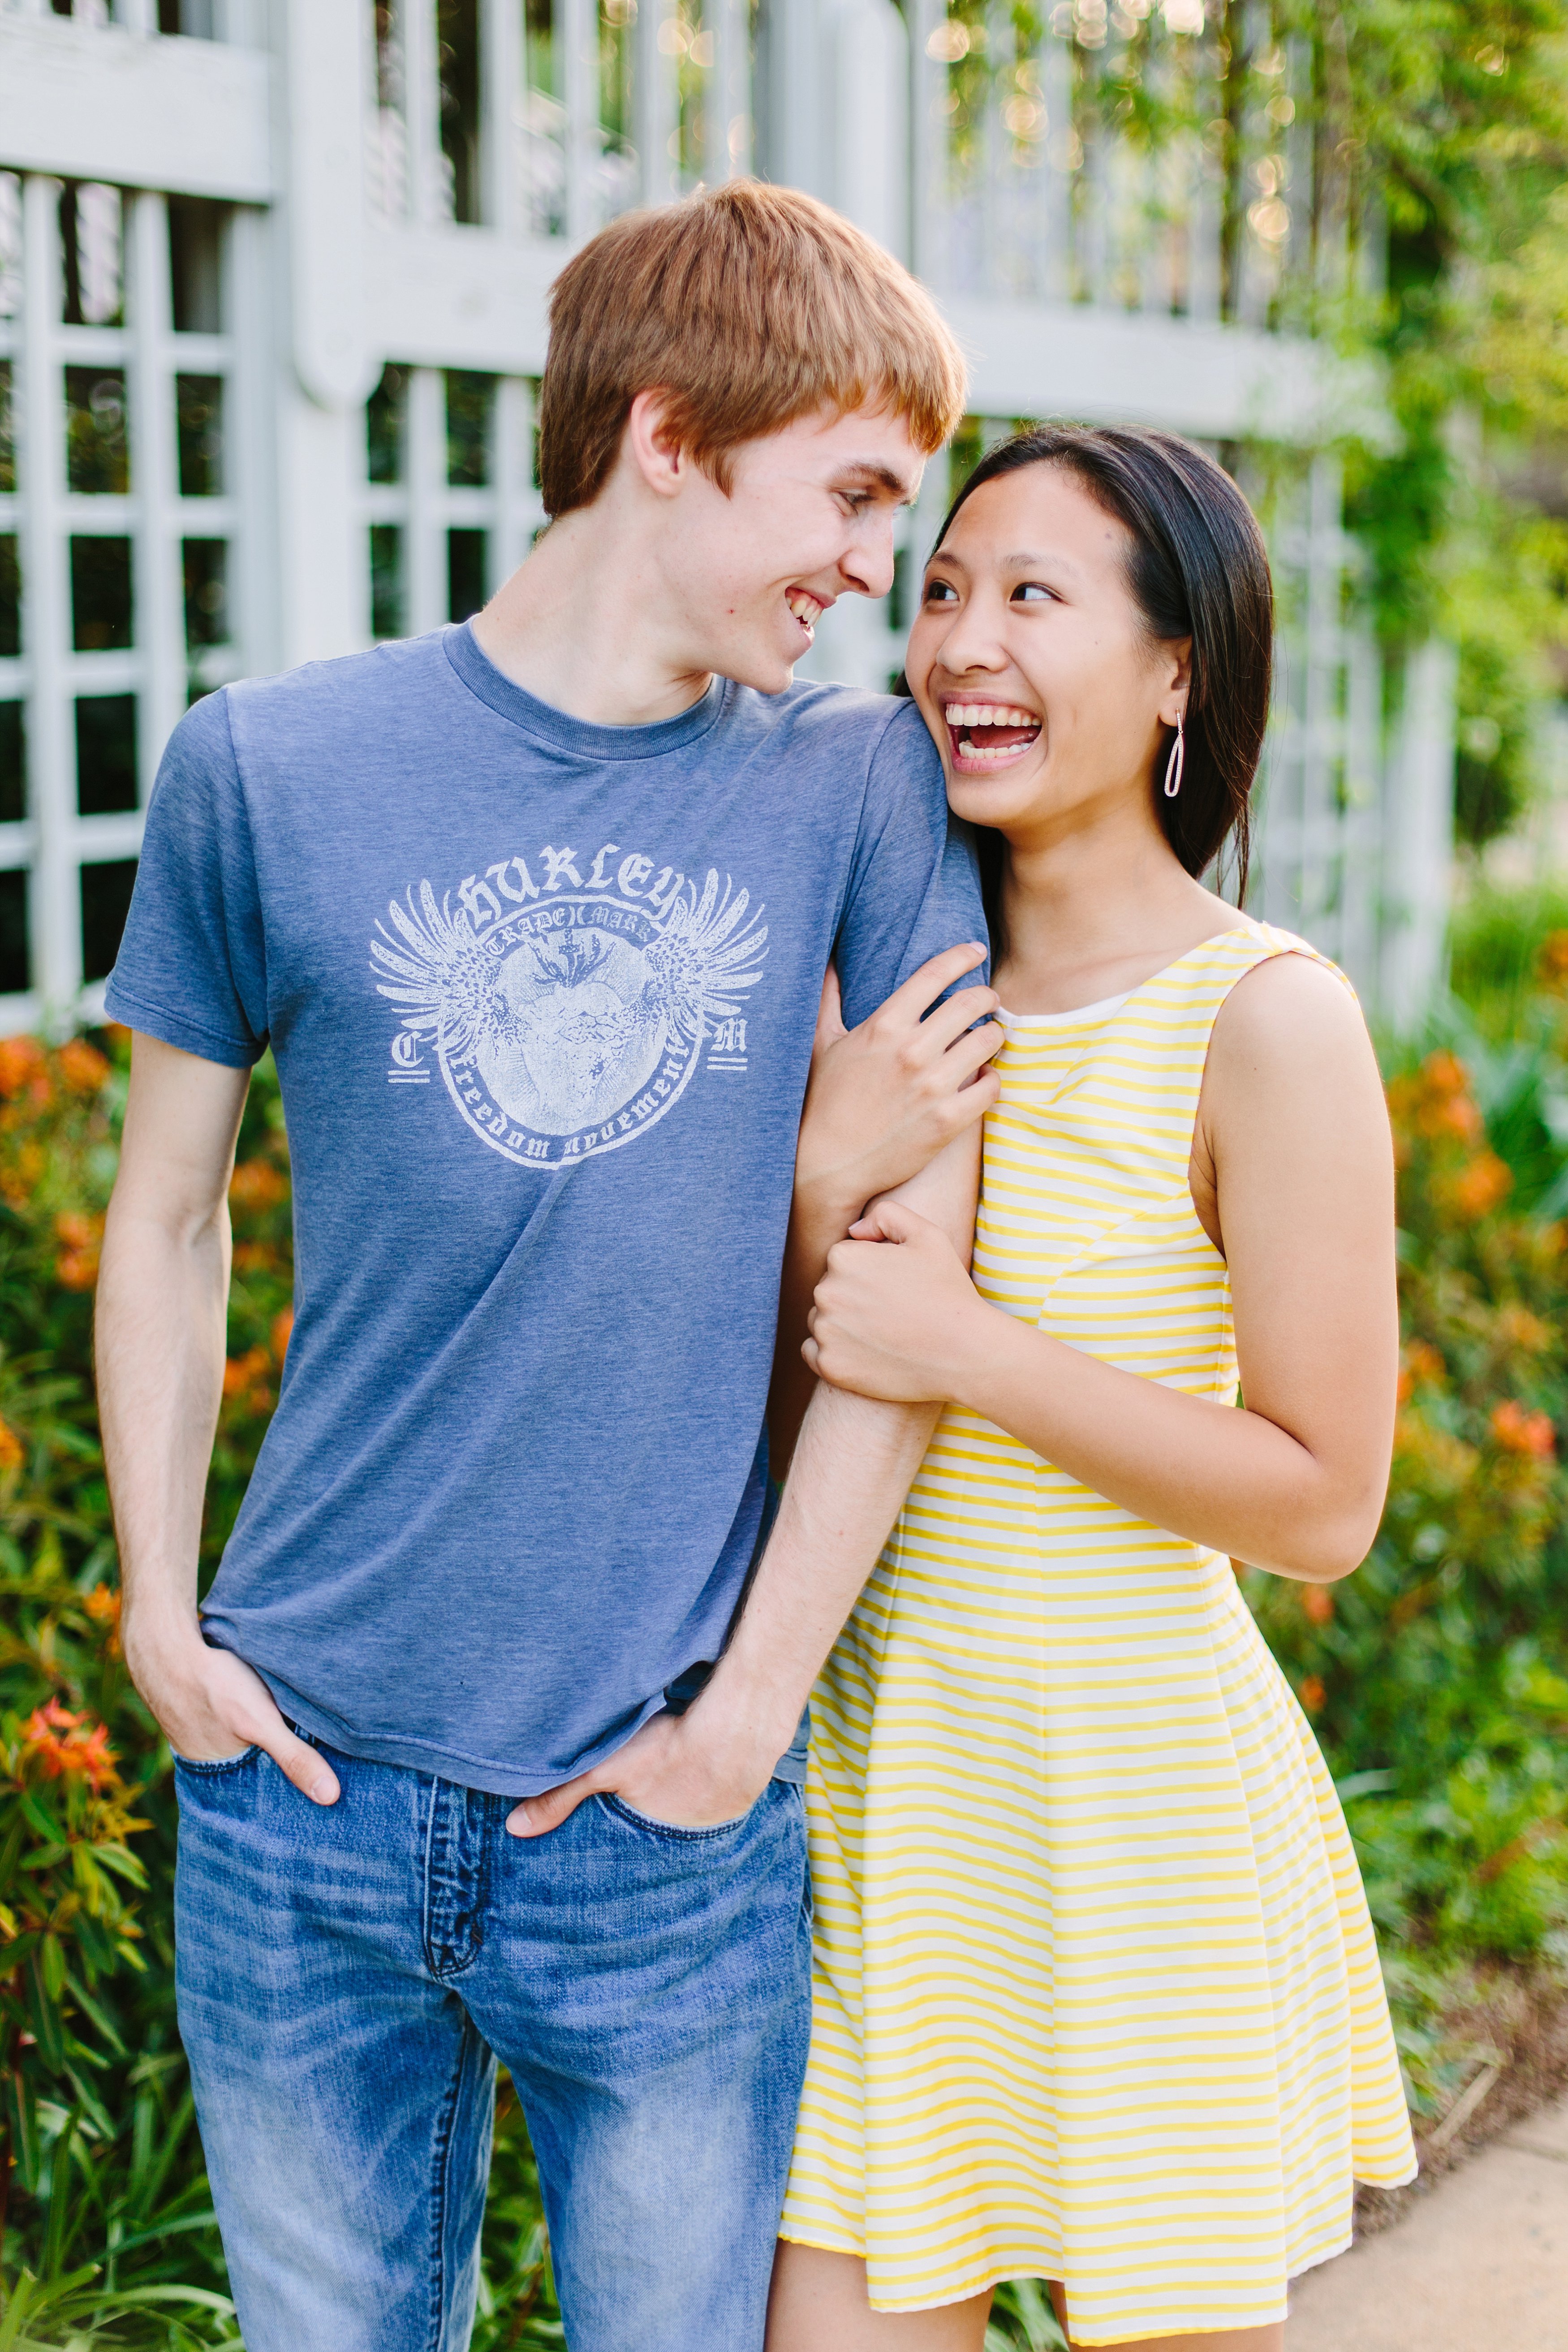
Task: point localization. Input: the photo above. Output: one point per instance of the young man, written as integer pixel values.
(535, 915)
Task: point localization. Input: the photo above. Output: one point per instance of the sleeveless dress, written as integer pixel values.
(1096, 1994)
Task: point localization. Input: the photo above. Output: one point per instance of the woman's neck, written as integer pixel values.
(1095, 910)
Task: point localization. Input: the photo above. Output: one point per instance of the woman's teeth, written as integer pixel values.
(964, 718)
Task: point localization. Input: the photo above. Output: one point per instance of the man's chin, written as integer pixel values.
(764, 674)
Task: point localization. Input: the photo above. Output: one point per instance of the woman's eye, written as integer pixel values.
(941, 592)
(1032, 592)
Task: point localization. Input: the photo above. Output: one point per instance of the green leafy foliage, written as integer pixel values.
(108, 2238)
(1394, 173)
(1437, 1677)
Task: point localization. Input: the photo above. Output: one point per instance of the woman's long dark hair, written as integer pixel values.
(1197, 567)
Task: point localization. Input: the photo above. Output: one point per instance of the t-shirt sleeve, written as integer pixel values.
(915, 888)
(192, 967)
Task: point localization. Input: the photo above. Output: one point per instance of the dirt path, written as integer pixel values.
(1481, 2264)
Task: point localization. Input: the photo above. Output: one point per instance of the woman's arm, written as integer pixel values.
(884, 1102)
(1292, 1129)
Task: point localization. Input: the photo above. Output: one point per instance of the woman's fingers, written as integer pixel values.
(921, 990)
(953, 1019)
(973, 1050)
(830, 1014)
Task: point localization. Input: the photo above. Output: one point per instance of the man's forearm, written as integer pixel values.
(816, 1222)
(160, 1347)
(851, 1470)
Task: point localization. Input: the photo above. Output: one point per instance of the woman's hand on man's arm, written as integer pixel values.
(887, 1101)
(886, 1096)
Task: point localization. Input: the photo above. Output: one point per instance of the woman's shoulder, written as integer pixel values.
(1291, 1022)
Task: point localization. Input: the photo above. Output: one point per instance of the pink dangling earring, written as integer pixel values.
(1176, 761)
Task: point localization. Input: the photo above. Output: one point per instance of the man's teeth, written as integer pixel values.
(805, 609)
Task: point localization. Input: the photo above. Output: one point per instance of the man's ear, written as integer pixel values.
(651, 448)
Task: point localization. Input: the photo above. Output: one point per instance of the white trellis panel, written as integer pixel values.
(62, 678)
(426, 506)
(1083, 278)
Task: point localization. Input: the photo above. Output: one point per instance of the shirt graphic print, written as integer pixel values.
(567, 1013)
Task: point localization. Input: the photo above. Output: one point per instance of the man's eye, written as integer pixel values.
(941, 592)
(1032, 592)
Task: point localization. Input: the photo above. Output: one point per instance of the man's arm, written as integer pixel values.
(160, 1343)
(884, 1100)
(847, 1483)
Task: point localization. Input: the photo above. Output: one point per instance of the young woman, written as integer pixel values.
(1096, 1994)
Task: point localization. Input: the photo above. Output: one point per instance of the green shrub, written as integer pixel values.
(110, 2217)
(1437, 1677)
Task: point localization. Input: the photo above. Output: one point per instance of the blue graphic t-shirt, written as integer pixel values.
(541, 996)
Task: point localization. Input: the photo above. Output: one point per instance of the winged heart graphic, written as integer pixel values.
(558, 1018)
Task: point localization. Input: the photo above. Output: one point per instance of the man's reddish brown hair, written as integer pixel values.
(747, 306)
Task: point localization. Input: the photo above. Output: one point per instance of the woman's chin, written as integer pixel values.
(988, 799)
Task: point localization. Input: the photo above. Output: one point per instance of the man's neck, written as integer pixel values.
(581, 626)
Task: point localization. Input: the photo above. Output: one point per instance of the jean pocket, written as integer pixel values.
(676, 1832)
(210, 1767)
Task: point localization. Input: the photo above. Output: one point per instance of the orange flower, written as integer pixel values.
(82, 1066)
(65, 1749)
(257, 1184)
(24, 1069)
(1518, 1432)
(1480, 1186)
(243, 1372)
(1552, 963)
(1444, 1073)
(1423, 1367)
(103, 1606)
(1317, 1602)
(1521, 1328)
(12, 1454)
(1312, 1694)
(1456, 1115)
(255, 1257)
(76, 1268)
(282, 1331)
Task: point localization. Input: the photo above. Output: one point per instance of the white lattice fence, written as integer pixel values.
(122, 569)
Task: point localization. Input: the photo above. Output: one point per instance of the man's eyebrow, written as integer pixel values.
(885, 477)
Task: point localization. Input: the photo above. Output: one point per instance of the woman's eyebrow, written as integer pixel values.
(1031, 561)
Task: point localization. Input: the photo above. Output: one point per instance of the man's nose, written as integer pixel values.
(869, 565)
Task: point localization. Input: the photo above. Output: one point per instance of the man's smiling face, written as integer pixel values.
(808, 518)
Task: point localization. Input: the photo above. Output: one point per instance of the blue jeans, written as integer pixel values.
(348, 1977)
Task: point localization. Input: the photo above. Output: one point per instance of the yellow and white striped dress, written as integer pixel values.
(1097, 1998)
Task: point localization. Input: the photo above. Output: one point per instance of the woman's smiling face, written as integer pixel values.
(1030, 659)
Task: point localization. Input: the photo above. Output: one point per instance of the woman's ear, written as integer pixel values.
(1175, 677)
